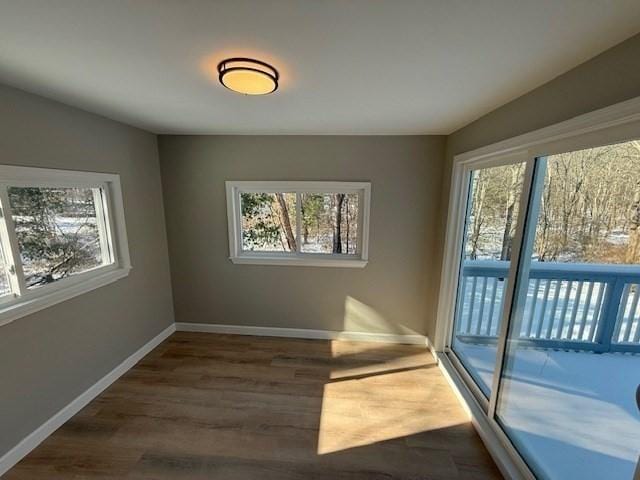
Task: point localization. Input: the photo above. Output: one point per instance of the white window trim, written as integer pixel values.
(238, 256)
(583, 129)
(31, 301)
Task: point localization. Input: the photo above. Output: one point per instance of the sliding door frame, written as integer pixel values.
(525, 148)
(464, 174)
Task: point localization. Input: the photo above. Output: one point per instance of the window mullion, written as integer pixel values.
(10, 244)
(298, 222)
(104, 234)
(360, 220)
(238, 215)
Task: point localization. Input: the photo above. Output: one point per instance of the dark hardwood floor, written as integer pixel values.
(206, 406)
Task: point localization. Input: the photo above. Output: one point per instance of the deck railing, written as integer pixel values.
(568, 306)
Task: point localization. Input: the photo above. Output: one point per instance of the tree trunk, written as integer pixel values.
(477, 206)
(346, 204)
(278, 216)
(286, 222)
(546, 218)
(305, 225)
(337, 234)
(633, 249)
(507, 238)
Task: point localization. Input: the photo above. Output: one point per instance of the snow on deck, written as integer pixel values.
(572, 414)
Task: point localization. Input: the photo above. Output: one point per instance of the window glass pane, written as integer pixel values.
(330, 223)
(57, 230)
(572, 363)
(268, 222)
(492, 213)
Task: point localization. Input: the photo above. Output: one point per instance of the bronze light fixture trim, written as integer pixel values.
(248, 76)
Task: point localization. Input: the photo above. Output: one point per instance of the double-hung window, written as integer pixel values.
(62, 233)
(299, 223)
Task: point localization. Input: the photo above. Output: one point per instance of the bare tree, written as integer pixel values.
(588, 211)
(633, 249)
(513, 189)
(286, 222)
(337, 234)
(479, 192)
(348, 222)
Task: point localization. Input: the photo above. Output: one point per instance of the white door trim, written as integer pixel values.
(499, 153)
(524, 148)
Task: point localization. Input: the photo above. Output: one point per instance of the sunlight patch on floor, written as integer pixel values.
(378, 400)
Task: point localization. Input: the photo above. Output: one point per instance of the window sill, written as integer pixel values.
(300, 261)
(13, 311)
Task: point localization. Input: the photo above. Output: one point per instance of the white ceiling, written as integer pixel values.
(347, 66)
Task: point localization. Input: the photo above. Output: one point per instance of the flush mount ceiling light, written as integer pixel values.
(247, 76)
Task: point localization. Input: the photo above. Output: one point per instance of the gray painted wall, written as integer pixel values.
(50, 357)
(611, 77)
(393, 293)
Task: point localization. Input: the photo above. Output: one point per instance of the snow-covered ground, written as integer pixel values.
(572, 414)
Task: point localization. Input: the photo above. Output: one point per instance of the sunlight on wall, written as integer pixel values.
(360, 317)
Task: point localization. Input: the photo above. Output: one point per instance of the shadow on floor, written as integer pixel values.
(205, 406)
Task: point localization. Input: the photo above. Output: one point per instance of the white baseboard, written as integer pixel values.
(431, 348)
(491, 440)
(413, 339)
(30, 442)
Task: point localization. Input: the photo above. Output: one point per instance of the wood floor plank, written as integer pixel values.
(208, 406)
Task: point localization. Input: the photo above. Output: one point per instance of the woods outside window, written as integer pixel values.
(299, 223)
(61, 234)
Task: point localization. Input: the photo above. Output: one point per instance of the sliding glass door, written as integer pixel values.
(547, 322)
(490, 222)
